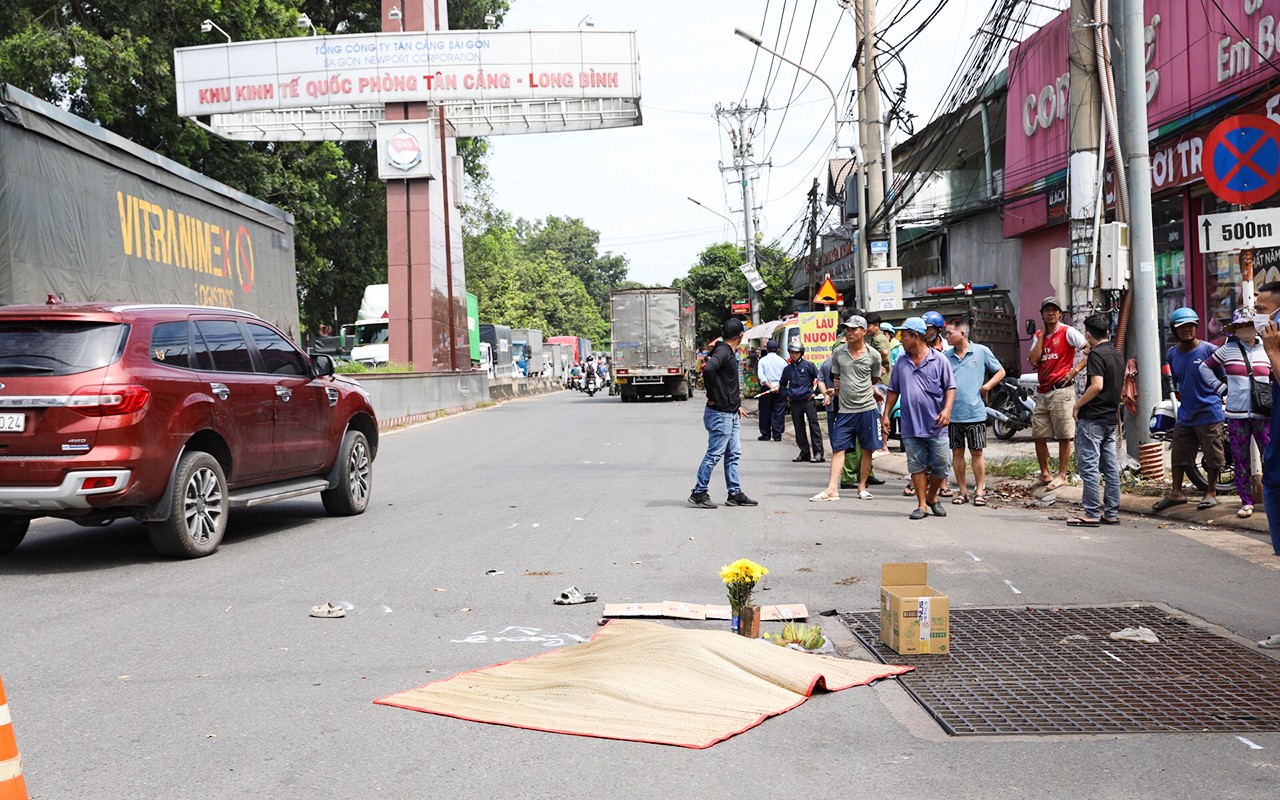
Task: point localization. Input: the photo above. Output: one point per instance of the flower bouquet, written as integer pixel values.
(741, 577)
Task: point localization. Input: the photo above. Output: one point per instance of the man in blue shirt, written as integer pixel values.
(773, 409)
(976, 371)
(922, 378)
(1198, 427)
(797, 385)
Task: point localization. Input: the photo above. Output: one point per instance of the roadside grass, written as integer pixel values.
(356, 368)
(1024, 466)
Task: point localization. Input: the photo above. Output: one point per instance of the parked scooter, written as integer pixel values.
(1163, 416)
(1011, 404)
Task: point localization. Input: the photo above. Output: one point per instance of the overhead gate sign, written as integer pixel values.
(449, 67)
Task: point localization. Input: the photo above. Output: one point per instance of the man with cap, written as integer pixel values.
(923, 379)
(798, 382)
(721, 419)
(855, 370)
(1198, 427)
(1056, 353)
(773, 409)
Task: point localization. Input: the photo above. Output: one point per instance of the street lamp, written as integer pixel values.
(209, 25)
(835, 107)
(395, 15)
(304, 22)
(718, 214)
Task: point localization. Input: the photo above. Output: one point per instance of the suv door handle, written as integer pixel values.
(220, 390)
(284, 393)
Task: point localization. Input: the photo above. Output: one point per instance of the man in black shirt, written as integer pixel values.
(1095, 414)
(721, 418)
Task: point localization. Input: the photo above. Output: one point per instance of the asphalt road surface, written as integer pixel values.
(134, 677)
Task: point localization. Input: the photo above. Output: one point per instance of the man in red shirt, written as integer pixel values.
(1056, 353)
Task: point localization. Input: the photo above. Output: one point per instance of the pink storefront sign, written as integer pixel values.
(1199, 52)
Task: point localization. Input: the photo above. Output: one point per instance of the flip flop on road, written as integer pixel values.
(573, 596)
(1111, 521)
(1207, 502)
(1078, 522)
(823, 497)
(1168, 502)
(328, 611)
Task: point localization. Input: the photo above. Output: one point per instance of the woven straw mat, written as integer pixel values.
(644, 682)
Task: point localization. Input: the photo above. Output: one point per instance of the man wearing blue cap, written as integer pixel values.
(923, 379)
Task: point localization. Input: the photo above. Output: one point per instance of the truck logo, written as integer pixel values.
(403, 150)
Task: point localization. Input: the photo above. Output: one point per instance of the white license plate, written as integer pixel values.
(13, 423)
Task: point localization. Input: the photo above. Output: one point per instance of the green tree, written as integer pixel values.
(577, 245)
(715, 281)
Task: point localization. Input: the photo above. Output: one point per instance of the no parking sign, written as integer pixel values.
(1242, 159)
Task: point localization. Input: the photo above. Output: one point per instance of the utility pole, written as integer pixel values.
(881, 280)
(813, 241)
(1083, 119)
(745, 167)
(1144, 325)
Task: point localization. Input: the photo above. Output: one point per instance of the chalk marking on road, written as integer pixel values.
(536, 525)
(971, 555)
(1252, 745)
(513, 525)
(1114, 657)
(385, 609)
(520, 633)
(1013, 588)
(577, 519)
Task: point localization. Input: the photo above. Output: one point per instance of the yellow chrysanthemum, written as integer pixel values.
(743, 571)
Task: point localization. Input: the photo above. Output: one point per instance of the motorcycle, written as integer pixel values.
(1160, 424)
(589, 383)
(1010, 405)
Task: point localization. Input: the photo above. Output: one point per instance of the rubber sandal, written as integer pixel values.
(798, 459)
(1167, 502)
(1056, 483)
(865, 495)
(945, 492)
(328, 611)
(823, 497)
(818, 460)
(910, 491)
(1206, 503)
(573, 596)
(1111, 521)
(960, 499)
(1077, 522)
(979, 500)
(1245, 512)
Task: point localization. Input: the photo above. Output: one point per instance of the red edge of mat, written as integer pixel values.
(819, 681)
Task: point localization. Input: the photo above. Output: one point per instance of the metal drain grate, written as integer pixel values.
(1014, 671)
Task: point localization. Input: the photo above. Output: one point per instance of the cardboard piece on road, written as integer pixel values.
(914, 617)
(675, 609)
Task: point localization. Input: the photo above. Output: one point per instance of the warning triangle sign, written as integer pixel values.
(827, 293)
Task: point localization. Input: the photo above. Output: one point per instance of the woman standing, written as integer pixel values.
(1248, 390)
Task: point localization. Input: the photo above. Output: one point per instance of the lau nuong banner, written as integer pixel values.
(1199, 52)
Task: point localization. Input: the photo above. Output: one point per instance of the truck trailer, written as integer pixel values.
(653, 343)
(86, 214)
(528, 348)
(498, 338)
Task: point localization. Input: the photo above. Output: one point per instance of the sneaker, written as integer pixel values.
(918, 513)
(740, 499)
(762, 438)
(1272, 642)
(701, 500)
(872, 480)
(937, 509)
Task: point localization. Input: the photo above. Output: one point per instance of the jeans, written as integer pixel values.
(1271, 501)
(803, 411)
(773, 415)
(928, 454)
(1096, 460)
(722, 442)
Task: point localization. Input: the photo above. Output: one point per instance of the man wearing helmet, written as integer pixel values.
(798, 380)
(934, 325)
(1198, 427)
(1055, 353)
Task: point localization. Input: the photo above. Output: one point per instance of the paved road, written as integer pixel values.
(134, 677)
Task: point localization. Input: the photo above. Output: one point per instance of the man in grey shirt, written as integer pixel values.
(855, 369)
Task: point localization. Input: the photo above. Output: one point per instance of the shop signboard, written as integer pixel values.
(740, 307)
(1239, 230)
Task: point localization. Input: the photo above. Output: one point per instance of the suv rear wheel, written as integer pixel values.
(12, 531)
(197, 509)
(355, 477)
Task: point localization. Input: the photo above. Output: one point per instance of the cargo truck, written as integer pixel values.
(90, 216)
(498, 338)
(473, 329)
(527, 350)
(653, 343)
(570, 344)
(371, 343)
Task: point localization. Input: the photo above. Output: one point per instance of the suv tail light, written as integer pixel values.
(109, 401)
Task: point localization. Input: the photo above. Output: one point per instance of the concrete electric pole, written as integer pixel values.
(1084, 121)
(746, 167)
(881, 282)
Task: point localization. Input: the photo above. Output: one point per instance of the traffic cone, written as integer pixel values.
(12, 786)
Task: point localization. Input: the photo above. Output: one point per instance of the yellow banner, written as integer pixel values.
(819, 332)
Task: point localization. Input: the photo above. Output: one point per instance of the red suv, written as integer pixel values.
(171, 415)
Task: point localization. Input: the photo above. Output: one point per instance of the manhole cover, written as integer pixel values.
(1015, 671)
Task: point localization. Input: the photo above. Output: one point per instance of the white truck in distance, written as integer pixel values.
(372, 347)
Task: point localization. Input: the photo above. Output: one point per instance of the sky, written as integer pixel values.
(632, 184)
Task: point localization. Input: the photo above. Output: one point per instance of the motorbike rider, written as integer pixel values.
(1198, 427)
(933, 332)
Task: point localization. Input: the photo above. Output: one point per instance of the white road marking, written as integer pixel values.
(1113, 656)
(385, 609)
(1252, 745)
(577, 519)
(536, 525)
(1013, 588)
(513, 525)
(347, 605)
(971, 555)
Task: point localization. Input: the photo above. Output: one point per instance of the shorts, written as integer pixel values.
(967, 434)
(931, 455)
(1052, 417)
(1191, 439)
(862, 427)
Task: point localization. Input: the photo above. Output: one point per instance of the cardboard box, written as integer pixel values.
(914, 617)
